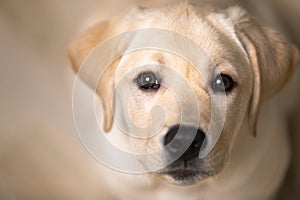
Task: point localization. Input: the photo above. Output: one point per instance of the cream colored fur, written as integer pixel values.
(260, 60)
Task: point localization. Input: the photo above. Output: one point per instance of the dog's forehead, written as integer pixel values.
(212, 31)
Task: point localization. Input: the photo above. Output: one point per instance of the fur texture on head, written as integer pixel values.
(258, 60)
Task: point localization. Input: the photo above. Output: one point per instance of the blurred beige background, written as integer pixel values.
(40, 154)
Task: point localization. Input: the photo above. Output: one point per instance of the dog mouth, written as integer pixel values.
(183, 176)
(184, 173)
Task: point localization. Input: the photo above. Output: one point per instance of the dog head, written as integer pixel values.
(241, 64)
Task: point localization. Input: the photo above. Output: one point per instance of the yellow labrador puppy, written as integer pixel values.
(210, 73)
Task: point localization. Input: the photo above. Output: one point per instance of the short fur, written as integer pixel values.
(261, 62)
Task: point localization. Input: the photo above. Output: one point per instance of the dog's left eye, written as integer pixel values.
(223, 83)
(147, 81)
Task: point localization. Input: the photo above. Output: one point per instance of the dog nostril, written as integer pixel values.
(196, 144)
(186, 135)
(171, 134)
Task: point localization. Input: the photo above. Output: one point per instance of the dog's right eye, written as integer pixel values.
(147, 81)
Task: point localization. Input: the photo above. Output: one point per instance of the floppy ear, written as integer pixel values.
(78, 52)
(272, 58)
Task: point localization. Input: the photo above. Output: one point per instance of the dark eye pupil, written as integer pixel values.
(147, 81)
(223, 83)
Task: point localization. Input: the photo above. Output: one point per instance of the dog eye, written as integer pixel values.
(147, 81)
(223, 83)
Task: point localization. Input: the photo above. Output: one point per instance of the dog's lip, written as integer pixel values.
(181, 172)
(185, 168)
(183, 176)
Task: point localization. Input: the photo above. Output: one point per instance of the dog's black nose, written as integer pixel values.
(179, 136)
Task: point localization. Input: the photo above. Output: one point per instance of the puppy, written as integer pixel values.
(184, 88)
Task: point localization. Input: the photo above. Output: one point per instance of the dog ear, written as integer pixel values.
(81, 48)
(272, 58)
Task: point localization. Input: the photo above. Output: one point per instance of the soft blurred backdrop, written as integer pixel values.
(40, 154)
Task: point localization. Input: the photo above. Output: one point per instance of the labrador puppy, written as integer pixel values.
(189, 91)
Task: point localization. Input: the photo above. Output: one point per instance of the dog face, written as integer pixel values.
(175, 85)
(242, 64)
